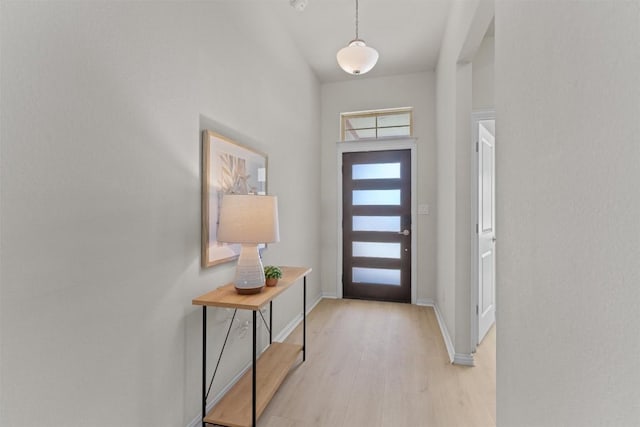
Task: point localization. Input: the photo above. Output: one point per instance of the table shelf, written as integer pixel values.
(234, 409)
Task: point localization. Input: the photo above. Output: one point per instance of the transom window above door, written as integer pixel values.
(389, 123)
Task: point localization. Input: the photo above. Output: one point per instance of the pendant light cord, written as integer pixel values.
(357, 20)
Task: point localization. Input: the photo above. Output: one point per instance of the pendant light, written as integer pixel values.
(357, 58)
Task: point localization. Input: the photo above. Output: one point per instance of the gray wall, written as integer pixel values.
(483, 76)
(466, 26)
(568, 211)
(358, 94)
(102, 106)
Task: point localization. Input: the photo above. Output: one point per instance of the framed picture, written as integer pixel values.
(227, 168)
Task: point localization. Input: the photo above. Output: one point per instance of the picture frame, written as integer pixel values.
(227, 168)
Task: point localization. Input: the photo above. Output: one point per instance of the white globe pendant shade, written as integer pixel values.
(357, 58)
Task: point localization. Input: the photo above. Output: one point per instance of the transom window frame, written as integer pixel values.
(375, 113)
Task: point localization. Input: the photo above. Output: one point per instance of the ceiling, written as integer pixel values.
(406, 33)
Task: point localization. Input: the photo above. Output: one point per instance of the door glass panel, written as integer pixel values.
(376, 171)
(376, 223)
(376, 197)
(376, 250)
(381, 276)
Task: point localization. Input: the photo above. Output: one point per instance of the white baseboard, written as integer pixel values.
(464, 359)
(428, 302)
(197, 421)
(286, 331)
(329, 295)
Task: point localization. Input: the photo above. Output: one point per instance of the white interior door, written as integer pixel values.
(486, 228)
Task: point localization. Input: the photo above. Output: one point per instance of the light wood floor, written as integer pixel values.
(380, 364)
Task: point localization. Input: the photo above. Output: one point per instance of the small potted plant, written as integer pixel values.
(272, 274)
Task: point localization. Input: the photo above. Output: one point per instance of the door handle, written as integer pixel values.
(493, 239)
(404, 232)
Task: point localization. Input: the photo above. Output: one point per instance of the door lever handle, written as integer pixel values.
(493, 239)
(404, 232)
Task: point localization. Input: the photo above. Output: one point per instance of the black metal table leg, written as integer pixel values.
(204, 363)
(253, 385)
(270, 321)
(304, 319)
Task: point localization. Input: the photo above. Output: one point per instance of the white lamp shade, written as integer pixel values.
(357, 58)
(248, 219)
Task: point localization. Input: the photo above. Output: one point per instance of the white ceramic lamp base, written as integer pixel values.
(249, 271)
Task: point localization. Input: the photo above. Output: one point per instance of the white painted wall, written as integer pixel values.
(568, 211)
(466, 26)
(102, 105)
(483, 76)
(1, 186)
(358, 94)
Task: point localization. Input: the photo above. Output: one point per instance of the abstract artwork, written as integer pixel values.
(227, 168)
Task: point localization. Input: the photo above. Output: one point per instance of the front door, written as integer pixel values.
(376, 224)
(486, 228)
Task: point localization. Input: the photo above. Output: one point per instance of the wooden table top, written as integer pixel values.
(226, 296)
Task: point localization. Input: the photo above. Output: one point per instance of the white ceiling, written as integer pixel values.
(406, 33)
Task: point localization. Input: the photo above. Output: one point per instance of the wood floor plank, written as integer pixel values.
(275, 421)
(375, 364)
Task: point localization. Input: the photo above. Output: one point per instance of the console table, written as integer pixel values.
(269, 370)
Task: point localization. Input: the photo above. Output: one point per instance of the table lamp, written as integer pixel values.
(248, 220)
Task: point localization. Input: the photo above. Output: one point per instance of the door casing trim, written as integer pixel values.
(380, 145)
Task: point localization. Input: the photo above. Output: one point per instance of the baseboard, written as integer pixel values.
(329, 295)
(197, 421)
(464, 359)
(428, 302)
(286, 331)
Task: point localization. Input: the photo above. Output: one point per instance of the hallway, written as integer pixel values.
(382, 364)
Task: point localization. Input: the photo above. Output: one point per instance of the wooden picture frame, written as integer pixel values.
(227, 168)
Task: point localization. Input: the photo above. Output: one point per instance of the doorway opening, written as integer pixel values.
(484, 242)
